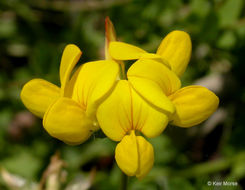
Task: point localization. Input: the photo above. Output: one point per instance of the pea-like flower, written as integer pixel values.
(68, 112)
(128, 107)
(123, 117)
(154, 81)
(149, 99)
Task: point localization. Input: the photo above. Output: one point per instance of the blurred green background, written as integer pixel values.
(33, 35)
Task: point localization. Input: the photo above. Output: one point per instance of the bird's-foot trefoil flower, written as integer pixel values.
(154, 81)
(129, 107)
(38, 94)
(135, 116)
(69, 112)
(132, 118)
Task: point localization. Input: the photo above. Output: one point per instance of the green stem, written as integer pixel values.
(208, 167)
(124, 181)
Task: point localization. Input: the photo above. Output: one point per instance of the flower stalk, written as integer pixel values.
(124, 182)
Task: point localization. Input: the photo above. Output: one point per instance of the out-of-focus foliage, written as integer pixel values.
(32, 37)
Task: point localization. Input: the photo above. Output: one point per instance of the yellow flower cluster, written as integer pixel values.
(128, 107)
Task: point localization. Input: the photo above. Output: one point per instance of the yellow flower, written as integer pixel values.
(69, 112)
(149, 98)
(123, 116)
(38, 94)
(132, 117)
(152, 80)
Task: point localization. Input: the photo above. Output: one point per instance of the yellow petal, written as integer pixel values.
(38, 94)
(131, 112)
(124, 51)
(176, 49)
(151, 93)
(156, 72)
(110, 35)
(146, 119)
(194, 104)
(114, 114)
(66, 121)
(94, 82)
(153, 81)
(126, 154)
(156, 57)
(146, 157)
(134, 155)
(69, 59)
(70, 90)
